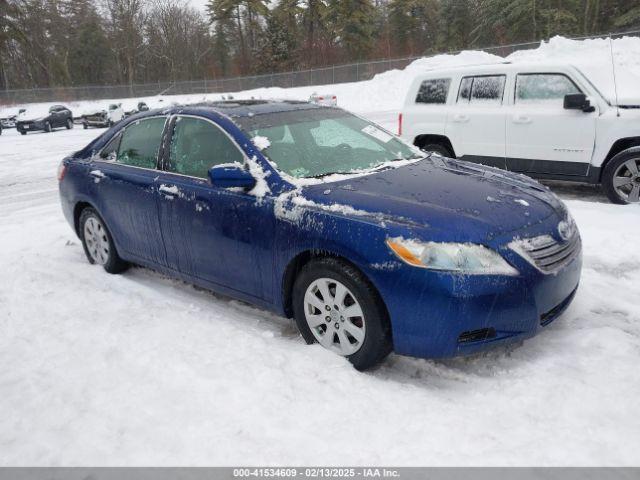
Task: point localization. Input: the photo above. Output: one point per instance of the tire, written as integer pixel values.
(85, 126)
(47, 127)
(22, 132)
(69, 124)
(439, 149)
(621, 177)
(374, 321)
(92, 224)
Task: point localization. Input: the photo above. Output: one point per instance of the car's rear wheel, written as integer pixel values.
(22, 132)
(336, 306)
(98, 243)
(437, 149)
(621, 177)
(47, 127)
(69, 124)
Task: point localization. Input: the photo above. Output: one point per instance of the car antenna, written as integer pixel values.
(615, 83)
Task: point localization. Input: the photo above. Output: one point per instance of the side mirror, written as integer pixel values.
(578, 101)
(228, 176)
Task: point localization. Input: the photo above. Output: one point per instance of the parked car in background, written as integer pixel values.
(103, 118)
(327, 99)
(312, 212)
(44, 119)
(9, 121)
(140, 107)
(547, 121)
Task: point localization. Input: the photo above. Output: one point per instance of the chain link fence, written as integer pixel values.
(352, 72)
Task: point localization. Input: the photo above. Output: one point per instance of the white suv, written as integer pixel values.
(548, 121)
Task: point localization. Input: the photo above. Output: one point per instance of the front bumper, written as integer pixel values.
(439, 314)
(96, 121)
(30, 126)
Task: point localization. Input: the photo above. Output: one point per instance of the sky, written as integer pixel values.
(200, 4)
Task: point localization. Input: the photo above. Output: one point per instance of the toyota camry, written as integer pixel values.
(370, 244)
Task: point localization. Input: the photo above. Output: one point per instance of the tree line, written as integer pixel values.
(94, 42)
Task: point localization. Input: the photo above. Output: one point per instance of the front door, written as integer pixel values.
(543, 137)
(219, 235)
(124, 189)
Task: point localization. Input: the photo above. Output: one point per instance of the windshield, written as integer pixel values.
(320, 142)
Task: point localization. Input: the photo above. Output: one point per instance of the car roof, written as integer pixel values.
(235, 108)
(497, 68)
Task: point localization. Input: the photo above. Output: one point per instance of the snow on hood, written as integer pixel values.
(465, 196)
(593, 58)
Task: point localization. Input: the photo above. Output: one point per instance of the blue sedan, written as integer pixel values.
(369, 244)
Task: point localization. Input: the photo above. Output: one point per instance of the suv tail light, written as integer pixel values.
(400, 124)
(62, 169)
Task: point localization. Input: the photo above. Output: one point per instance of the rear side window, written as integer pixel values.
(547, 88)
(197, 145)
(141, 142)
(482, 89)
(434, 91)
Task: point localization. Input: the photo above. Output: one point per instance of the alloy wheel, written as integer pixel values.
(334, 316)
(97, 241)
(626, 180)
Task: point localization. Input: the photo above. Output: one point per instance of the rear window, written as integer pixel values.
(434, 91)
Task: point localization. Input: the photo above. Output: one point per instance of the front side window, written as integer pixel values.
(140, 143)
(434, 91)
(197, 145)
(318, 142)
(543, 88)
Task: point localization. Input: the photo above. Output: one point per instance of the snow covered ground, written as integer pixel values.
(140, 369)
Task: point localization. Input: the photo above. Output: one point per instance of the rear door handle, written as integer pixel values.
(460, 118)
(169, 191)
(523, 119)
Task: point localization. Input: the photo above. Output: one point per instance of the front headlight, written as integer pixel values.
(467, 258)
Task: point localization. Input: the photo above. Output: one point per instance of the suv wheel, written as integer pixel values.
(438, 149)
(97, 242)
(621, 177)
(47, 127)
(69, 124)
(336, 306)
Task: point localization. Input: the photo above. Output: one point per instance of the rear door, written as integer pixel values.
(124, 189)
(476, 121)
(543, 137)
(223, 236)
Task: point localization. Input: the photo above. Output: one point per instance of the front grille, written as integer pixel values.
(546, 253)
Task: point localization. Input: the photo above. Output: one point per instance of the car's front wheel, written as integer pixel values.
(47, 127)
(69, 124)
(336, 306)
(621, 177)
(98, 242)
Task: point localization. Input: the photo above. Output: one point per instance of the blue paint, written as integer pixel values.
(230, 241)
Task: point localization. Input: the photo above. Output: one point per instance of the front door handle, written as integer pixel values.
(460, 118)
(522, 119)
(169, 191)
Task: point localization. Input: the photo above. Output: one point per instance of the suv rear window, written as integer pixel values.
(434, 91)
(484, 89)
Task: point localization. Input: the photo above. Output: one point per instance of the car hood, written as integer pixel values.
(454, 200)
